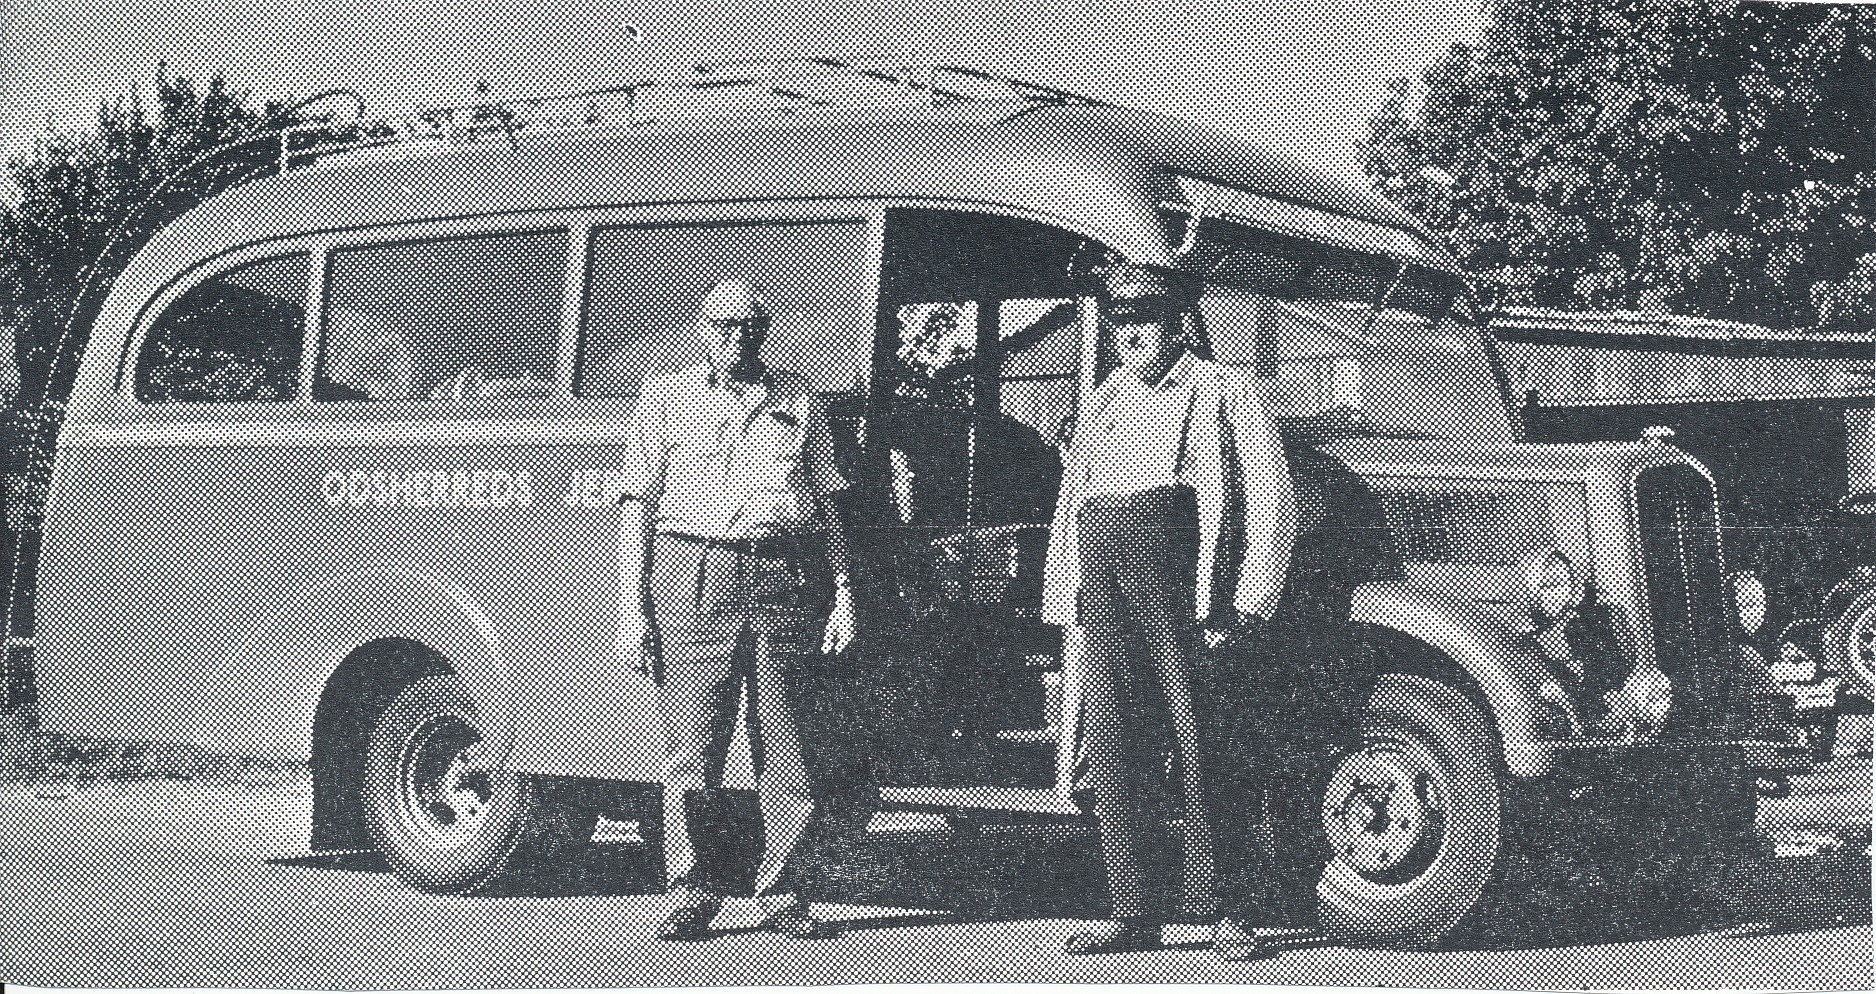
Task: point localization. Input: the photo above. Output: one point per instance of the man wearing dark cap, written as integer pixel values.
(1174, 528)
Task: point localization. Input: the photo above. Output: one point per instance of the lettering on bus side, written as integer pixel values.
(595, 488)
(428, 488)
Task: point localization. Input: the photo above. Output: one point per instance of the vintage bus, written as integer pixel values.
(338, 482)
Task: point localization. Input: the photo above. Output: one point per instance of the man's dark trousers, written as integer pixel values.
(1139, 557)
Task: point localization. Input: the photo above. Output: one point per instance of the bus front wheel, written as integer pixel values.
(1410, 814)
(443, 819)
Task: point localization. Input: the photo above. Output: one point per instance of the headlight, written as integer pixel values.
(1551, 586)
(1747, 592)
(1641, 704)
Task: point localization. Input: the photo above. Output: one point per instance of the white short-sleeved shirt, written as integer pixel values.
(731, 463)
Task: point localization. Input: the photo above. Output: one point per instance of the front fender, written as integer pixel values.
(1482, 645)
(271, 685)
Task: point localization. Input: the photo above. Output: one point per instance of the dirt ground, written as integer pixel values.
(208, 883)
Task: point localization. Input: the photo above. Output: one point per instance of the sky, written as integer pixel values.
(1302, 76)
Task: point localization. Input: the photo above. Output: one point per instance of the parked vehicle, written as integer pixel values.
(1848, 637)
(338, 482)
(1824, 663)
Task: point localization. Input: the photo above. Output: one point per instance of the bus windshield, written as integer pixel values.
(1348, 345)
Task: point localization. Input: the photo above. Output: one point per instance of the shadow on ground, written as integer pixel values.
(609, 869)
(1578, 906)
(1041, 872)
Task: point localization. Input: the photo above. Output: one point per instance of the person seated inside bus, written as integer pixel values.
(956, 466)
(365, 359)
(935, 378)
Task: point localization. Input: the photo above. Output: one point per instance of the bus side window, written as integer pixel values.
(645, 283)
(234, 337)
(466, 318)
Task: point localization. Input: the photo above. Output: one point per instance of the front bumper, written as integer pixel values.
(1759, 756)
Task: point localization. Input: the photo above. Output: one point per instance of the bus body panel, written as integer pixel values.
(246, 569)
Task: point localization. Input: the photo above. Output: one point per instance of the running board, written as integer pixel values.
(984, 803)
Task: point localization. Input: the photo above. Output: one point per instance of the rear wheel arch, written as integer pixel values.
(356, 693)
(271, 684)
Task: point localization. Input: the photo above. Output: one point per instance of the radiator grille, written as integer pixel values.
(1680, 545)
(1472, 521)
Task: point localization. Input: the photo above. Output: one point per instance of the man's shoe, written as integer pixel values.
(792, 917)
(1236, 942)
(1116, 935)
(690, 920)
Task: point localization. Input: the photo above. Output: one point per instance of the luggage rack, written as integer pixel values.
(711, 91)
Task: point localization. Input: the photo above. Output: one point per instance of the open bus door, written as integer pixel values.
(974, 379)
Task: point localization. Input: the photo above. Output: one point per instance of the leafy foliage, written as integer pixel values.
(1661, 155)
(88, 199)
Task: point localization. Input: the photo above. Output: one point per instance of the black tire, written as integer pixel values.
(1408, 820)
(445, 826)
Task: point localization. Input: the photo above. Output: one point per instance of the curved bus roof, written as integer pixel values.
(1107, 171)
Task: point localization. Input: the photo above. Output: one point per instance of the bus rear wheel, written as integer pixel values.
(445, 821)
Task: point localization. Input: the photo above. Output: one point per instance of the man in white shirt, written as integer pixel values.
(730, 466)
(1174, 526)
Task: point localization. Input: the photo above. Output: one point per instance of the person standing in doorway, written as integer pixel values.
(728, 547)
(1173, 530)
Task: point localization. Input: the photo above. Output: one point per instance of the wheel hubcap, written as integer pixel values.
(445, 796)
(1384, 812)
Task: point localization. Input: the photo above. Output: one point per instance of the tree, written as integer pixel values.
(89, 199)
(1663, 155)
